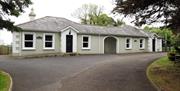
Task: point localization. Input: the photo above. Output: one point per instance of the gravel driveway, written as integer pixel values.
(81, 73)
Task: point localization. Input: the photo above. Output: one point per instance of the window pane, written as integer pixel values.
(127, 41)
(85, 39)
(141, 40)
(48, 44)
(28, 36)
(127, 45)
(141, 46)
(85, 44)
(28, 44)
(48, 37)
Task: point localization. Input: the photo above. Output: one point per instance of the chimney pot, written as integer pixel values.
(32, 15)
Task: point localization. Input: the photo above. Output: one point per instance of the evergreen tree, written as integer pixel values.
(150, 11)
(11, 8)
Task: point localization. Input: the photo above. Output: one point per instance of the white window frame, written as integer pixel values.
(130, 43)
(143, 43)
(34, 41)
(89, 42)
(53, 41)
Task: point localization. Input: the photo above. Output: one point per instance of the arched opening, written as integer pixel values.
(110, 45)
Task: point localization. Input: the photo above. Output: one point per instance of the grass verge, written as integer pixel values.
(5, 81)
(164, 74)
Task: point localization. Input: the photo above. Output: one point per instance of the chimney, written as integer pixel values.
(32, 15)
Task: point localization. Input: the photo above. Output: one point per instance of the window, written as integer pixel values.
(141, 43)
(86, 42)
(48, 41)
(28, 41)
(128, 43)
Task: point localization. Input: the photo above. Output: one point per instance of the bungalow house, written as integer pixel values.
(60, 35)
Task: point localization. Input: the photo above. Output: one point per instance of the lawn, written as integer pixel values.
(4, 81)
(164, 74)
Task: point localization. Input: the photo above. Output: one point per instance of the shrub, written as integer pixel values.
(177, 44)
(177, 49)
(171, 56)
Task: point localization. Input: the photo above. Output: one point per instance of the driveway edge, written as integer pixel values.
(152, 83)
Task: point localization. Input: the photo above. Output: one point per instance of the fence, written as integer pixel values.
(5, 50)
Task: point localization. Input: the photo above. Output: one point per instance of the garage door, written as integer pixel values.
(110, 45)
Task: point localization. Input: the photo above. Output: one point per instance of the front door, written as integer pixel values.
(154, 45)
(69, 43)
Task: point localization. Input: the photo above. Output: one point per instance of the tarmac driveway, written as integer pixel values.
(81, 73)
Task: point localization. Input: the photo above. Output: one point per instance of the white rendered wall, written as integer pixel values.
(158, 45)
(16, 43)
(150, 44)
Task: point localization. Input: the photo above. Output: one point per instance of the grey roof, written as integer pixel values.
(151, 34)
(55, 24)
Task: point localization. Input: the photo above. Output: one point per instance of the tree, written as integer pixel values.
(86, 11)
(11, 8)
(151, 11)
(101, 20)
(94, 15)
(119, 22)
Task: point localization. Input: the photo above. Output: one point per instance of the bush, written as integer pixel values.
(177, 49)
(177, 44)
(171, 56)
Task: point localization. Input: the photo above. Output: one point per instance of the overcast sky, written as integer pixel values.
(59, 8)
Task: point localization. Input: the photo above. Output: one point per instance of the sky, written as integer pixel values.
(61, 8)
(58, 8)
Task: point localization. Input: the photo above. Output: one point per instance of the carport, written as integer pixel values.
(110, 44)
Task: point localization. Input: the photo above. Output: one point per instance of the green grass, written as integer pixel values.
(4, 81)
(164, 74)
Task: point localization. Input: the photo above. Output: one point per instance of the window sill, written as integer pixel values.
(141, 48)
(28, 49)
(128, 48)
(86, 48)
(48, 49)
